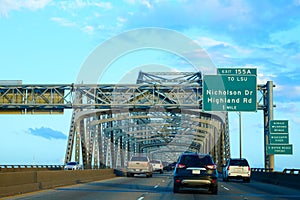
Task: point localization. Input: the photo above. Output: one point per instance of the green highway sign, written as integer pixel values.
(279, 126)
(280, 149)
(237, 71)
(229, 93)
(279, 138)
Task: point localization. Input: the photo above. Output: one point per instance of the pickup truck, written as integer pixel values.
(139, 165)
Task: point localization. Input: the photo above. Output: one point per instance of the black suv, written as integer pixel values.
(195, 171)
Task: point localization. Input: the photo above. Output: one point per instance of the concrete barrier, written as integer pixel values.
(277, 178)
(12, 183)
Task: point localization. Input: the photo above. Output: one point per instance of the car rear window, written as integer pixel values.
(195, 160)
(155, 161)
(139, 159)
(71, 163)
(239, 163)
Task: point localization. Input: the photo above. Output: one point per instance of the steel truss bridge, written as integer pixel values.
(160, 116)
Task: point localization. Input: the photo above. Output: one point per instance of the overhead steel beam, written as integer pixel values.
(111, 122)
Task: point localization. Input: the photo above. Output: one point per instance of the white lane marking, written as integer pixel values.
(142, 196)
(225, 187)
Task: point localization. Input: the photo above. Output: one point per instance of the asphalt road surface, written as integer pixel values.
(159, 187)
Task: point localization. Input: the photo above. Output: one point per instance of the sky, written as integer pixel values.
(47, 41)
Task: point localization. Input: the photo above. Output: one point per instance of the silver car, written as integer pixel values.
(72, 166)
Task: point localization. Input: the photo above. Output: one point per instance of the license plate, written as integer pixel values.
(196, 171)
(238, 170)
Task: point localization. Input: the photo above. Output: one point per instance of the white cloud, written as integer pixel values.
(106, 5)
(142, 2)
(264, 78)
(63, 22)
(8, 5)
(147, 4)
(120, 19)
(297, 2)
(88, 29)
(297, 89)
(209, 42)
(82, 4)
(288, 110)
(130, 1)
(288, 92)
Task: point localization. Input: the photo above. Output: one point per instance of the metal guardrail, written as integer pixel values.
(291, 171)
(14, 168)
(19, 168)
(6, 168)
(285, 171)
(262, 169)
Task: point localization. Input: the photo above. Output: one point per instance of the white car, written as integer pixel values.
(157, 166)
(237, 168)
(72, 166)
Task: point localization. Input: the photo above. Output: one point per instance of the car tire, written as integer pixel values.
(225, 179)
(176, 188)
(214, 189)
(246, 180)
(129, 174)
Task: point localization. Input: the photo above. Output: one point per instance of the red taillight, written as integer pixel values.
(180, 166)
(214, 181)
(249, 169)
(177, 181)
(228, 168)
(211, 167)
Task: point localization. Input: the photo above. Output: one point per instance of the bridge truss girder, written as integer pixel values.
(110, 123)
(123, 135)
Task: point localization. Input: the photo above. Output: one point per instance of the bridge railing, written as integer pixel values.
(262, 169)
(18, 168)
(291, 171)
(287, 177)
(285, 171)
(21, 168)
